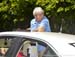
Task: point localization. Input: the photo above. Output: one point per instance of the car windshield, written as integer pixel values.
(5, 43)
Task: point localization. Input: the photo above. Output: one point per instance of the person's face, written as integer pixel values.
(39, 16)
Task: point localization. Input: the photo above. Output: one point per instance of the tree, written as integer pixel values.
(15, 13)
(18, 13)
(56, 10)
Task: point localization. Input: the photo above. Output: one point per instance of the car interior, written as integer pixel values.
(30, 49)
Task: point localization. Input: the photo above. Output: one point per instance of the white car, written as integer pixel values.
(15, 44)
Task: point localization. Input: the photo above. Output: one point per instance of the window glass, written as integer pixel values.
(33, 48)
(5, 43)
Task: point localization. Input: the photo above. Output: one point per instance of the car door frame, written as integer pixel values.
(12, 51)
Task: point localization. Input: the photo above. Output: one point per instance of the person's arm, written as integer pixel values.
(42, 26)
(41, 29)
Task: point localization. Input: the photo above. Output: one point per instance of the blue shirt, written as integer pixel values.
(44, 23)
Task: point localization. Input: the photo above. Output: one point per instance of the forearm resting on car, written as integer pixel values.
(39, 29)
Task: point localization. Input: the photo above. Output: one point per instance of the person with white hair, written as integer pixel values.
(40, 23)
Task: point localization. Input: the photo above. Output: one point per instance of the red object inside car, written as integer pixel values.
(20, 54)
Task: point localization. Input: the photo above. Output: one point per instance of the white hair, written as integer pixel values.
(37, 10)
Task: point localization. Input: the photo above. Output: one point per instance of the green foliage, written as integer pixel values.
(18, 13)
(58, 10)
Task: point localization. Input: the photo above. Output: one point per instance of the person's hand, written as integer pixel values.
(3, 51)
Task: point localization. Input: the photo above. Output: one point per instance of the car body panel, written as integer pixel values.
(60, 42)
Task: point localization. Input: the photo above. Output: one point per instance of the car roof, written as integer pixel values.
(61, 42)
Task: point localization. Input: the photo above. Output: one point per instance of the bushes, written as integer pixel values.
(18, 13)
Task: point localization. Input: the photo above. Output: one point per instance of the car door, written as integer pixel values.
(29, 47)
(26, 47)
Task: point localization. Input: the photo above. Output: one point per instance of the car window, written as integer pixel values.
(34, 48)
(5, 43)
(24, 47)
(72, 44)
